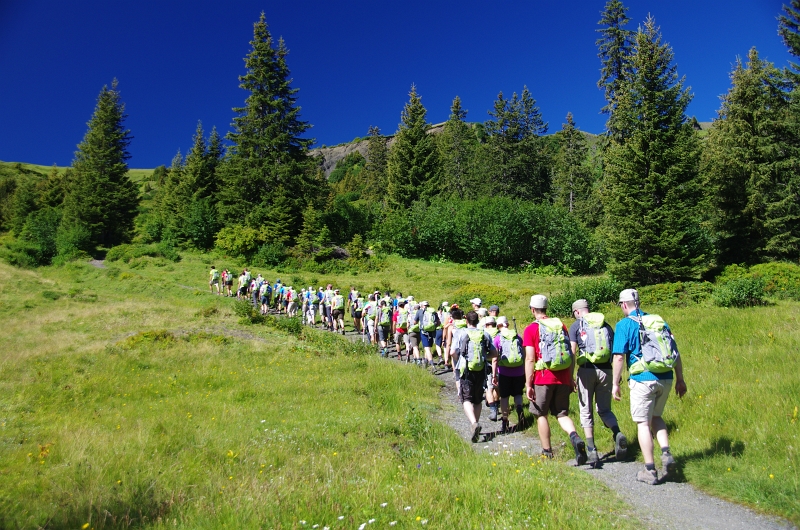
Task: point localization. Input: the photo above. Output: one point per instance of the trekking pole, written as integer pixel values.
(514, 319)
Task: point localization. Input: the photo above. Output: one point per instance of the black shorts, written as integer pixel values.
(357, 314)
(338, 313)
(510, 386)
(472, 387)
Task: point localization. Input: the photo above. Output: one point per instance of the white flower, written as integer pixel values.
(362, 526)
(424, 521)
(302, 522)
(371, 521)
(263, 421)
(393, 523)
(341, 517)
(407, 508)
(383, 504)
(315, 526)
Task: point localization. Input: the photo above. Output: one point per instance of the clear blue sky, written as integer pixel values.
(177, 62)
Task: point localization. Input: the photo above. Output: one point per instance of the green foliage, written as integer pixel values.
(678, 294)
(270, 255)
(374, 174)
(201, 224)
(127, 253)
(457, 146)
(781, 279)
(40, 229)
(73, 242)
(572, 176)
(614, 49)
(240, 241)
(746, 291)
(489, 295)
(598, 292)
(100, 195)
(353, 163)
(789, 30)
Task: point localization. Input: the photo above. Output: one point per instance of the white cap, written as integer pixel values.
(629, 295)
(502, 320)
(482, 312)
(490, 320)
(539, 301)
(410, 298)
(425, 303)
(476, 301)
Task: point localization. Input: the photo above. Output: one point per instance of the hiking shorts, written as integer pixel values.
(472, 387)
(338, 313)
(551, 399)
(357, 315)
(648, 398)
(291, 306)
(438, 338)
(371, 327)
(383, 332)
(510, 385)
(427, 339)
(263, 300)
(399, 335)
(594, 384)
(413, 339)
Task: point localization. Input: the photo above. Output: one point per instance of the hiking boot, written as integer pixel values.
(493, 412)
(520, 415)
(647, 476)
(547, 454)
(342, 332)
(476, 432)
(594, 458)
(580, 453)
(668, 464)
(621, 447)
(504, 428)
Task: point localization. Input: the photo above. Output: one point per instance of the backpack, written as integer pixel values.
(511, 353)
(386, 319)
(215, 274)
(554, 347)
(596, 342)
(476, 352)
(402, 319)
(414, 321)
(430, 321)
(338, 301)
(658, 351)
(369, 309)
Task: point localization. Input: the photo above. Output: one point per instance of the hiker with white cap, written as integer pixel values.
(549, 365)
(428, 323)
(591, 338)
(447, 325)
(646, 344)
(492, 399)
(311, 306)
(508, 370)
(337, 311)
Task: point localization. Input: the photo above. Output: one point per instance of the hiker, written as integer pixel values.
(384, 317)
(370, 311)
(262, 293)
(337, 312)
(438, 340)
(412, 337)
(329, 307)
(241, 288)
(401, 329)
(492, 399)
(549, 366)
(471, 349)
(214, 280)
(429, 324)
(591, 338)
(358, 312)
(228, 282)
(646, 344)
(311, 306)
(508, 371)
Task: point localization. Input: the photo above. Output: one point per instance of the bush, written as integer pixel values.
(128, 253)
(270, 255)
(596, 291)
(73, 242)
(746, 291)
(240, 241)
(40, 230)
(781, 279)
(678, 294)
(489, 295)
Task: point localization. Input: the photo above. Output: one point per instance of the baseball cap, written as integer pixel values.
(336, 290)
(490, 320)
(410, 298)
(482, 312)
(539, 301)
(445, 304)
(502, 320)
(580, 304)
(425, 303)
(494, 308)
(476, 301)
(629, 295)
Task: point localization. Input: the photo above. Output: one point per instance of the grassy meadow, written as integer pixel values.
(129, 396)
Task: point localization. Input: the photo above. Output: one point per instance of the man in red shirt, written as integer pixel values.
(549, 390)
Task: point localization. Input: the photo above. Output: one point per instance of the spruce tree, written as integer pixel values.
(614, 51)
(268, 159)
(100, 196)
(412, 164)
(195, 170)
(515, 157)
(457, 150)
(374, 173)
(171, 200)
(750, 168)
(651, 190)
(789, 30)
(572, 175)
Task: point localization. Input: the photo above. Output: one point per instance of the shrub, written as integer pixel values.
(596, 291)
(73, 242)
(781, 279)
(678, 294)
(489, 295)
(128, 253)
(240, 241)
(746, 291)
(270, 255)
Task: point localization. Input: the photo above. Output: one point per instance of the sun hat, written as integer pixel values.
(629, 295)
(502, 320)
(539, 301)
(580, 304)
(476, 301)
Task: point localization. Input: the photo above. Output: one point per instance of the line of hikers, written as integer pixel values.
(492, 363)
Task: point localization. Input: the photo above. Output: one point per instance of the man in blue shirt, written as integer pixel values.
(649, 391)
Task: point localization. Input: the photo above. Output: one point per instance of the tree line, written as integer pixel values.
(653, 199)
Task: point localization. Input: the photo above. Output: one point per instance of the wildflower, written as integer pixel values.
(341, 517)
(85, 526)
(419, 518)
(771, 476)
(424, 521)
(393, 523)
(384, 504)
(407, 508)
(362, 526)
(302, 522)
(371, 521)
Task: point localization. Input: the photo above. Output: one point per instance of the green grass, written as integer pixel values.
(129, 398)
(136, 175)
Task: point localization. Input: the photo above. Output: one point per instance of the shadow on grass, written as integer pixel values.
(722, 446)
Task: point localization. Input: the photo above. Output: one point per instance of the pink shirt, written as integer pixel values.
(530, 337)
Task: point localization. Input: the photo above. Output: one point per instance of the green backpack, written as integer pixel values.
(476, 352)
(511, 353)
(659, 353)
(430, 320)
(554, 347)
(596, 342)
(386, 317)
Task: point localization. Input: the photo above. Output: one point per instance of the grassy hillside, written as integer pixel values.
(136, 175)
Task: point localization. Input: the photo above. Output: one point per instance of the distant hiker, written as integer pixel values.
(412, 337)
(429, 324)
(438, 340)
(214, 280)
(337, 312)
(384, 317)
(370, 312)
(549, 366)
(591, 338)
(311, 307)
(241, 288)
(508, 371)
(492, 399)
(471, 349)
(229, 282)
(358, 311)
(401, 329)
(648, 348)
(262, 294)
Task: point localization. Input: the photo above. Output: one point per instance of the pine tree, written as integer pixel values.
(614, 46)
(412, 166)
(215, 153)
(515, 157)
(457, 149)
(651, 188)
(307, 242)
(750, 168)
(572, 175)
(52, 189)
(268, 152)
(101, 197)
(171, 200)
(195, 170)
(789, 30)
(23, 203)
(375, 168)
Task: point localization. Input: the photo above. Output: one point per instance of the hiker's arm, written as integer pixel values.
(494, 371)
(680, 384)
(530, 362)
(617, 365)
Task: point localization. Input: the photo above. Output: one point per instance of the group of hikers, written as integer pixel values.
(492, 363)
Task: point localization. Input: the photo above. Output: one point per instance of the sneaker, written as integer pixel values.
(647, 476)
(668, 464)
(594, 459)
(621, 447)
(493, 412)
(504, 428)
(580, 453)
(476, 432)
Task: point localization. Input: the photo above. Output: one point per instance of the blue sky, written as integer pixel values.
(178, 62)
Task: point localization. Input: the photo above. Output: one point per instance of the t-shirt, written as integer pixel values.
(626, 342)
(575, 336)
(530, 337)
(508, 371)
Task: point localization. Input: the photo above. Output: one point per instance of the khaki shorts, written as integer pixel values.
(648, 399)
(551, 399)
